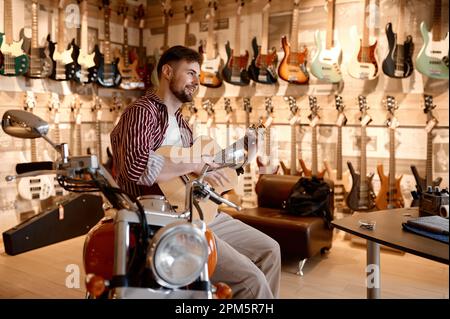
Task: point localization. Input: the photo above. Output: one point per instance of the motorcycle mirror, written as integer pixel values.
(23, 124)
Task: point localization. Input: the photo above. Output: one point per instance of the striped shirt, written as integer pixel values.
(134, 140)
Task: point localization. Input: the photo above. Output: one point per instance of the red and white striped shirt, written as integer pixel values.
(134, 140)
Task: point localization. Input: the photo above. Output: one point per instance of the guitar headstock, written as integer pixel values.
(54, 103)
(167, 8)
(391, 105)
(209, 108)
(123, 10)
(105, 6)
(247, 105)
(292, 105)
(363, 107)
(140, 15)
(267, 6)
(268, 106)
(117, 103)
(428, 110)
(188, 10)
(240, 5)
(342, 119)
(314, 107)
(30, 101)
(228, 108)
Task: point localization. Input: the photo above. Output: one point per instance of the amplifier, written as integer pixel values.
(73, 216)
(434, 202)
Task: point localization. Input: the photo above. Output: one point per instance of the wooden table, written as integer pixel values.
(389, 232)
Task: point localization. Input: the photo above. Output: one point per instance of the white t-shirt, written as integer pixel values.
(173, 135)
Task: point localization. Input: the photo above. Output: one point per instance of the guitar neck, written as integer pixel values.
(125, 47)
(61, 16)
(265, 32)
(437, 21)
(34, 24)
(314, 169)
(391, 159)
(107, 45)
(365, 37)
(186, 34)
(400, 23)
(99, 140)
(84, 28)
(209, 41)
(7, 7)
(237, 39)
(363, 155)
(339, 154)
(294, 30)
(166, 31)
(293, 149)
(330, 24)
(429, 164)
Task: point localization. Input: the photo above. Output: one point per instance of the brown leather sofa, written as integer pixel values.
(302, 236)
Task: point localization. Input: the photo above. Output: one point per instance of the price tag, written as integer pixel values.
(268, 121)
(293, 120)
(314, 121)
(78, 119)
(341, 119)
(99, 115)
(393, 123)
(209, 122)
(56, 120)
(61, 212)
(431, 123)
(365, 120)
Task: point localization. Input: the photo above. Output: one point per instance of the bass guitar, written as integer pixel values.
(432, 59)
(293, 121)
(13, 60)
(314, 120)
(292, 67)
(235, 70)
(361, 196)
(108, 73)
(398, 62)
(364, 61)
(211, 68)
(263, 68)
(422, 183)
(390, 194)
(325, 63)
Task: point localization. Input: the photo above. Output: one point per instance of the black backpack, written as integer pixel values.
(310, 197)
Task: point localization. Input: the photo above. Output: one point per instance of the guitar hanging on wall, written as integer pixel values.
(390, 193)
(398, 62)
(266, 162)
(325, 63)
(13, 60)
(432, 59)
(361, 196)
(189, 38)
(292, 67)
(263, 68)
(364, 62)
(293, 121)
(108, 73)
(211, 68)
(235, 70)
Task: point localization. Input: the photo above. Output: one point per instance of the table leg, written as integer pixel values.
(373, 270)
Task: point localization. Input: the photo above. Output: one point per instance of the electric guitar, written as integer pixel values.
(249, 198)
(263, 68)
(432, 59)
(96, 109)
(364, 61)
(398, 62)
(293, 65)
(325, 63)
(423, 182)
(229, 114)
(41, 65)
(390, 194)
(127, 68)
(361, 196)
(189, 38)
(14, 61)
(341, 179)
(193, 111)
(211, 68)
(235, 70)
(293, 121)
(314, 120)
(266, 163)
(108, 74)
(75, 109)
(87, 63)
(63, 68)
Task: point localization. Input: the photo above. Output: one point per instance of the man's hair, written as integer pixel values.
(178, 53)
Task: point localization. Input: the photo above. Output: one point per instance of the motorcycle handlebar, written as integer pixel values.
(34, 166)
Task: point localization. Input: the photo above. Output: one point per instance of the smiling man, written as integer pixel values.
(248, 260)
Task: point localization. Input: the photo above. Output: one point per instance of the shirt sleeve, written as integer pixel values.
(154, 166)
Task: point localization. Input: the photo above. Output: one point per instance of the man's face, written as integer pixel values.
(184, 82)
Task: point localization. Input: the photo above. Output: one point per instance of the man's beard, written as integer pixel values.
(180, 94)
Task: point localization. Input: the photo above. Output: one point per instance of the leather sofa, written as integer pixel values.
(302, 236)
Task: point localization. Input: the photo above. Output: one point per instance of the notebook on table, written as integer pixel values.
(435, 227)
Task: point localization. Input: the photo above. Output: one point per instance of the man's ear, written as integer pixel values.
(167, 71)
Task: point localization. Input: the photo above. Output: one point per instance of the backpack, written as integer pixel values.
(310, 197)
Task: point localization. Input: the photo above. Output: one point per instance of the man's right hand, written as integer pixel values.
(214, 177)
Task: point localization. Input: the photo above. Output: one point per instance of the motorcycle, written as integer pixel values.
(144, 249)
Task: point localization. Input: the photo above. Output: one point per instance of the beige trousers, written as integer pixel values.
(248, 260)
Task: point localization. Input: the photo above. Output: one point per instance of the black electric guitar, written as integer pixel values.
(13, 60)
(108, 73)
(423, 182)
(64, 67)
(314, 120)
(263, 68)
(398, 62)
(293, 121)
(361, 196)
(41, 65)
(235, 70)
(266, 163)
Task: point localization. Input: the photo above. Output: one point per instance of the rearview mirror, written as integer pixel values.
(23, 124)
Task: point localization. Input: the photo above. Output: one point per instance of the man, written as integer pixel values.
(248, 260)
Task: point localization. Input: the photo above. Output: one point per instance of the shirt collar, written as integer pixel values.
(152, 95)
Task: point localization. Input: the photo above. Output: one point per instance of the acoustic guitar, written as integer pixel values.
(390, 193)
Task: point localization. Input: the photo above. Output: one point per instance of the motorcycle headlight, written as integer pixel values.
(177, 254)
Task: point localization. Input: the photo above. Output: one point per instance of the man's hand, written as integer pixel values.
(215, 177)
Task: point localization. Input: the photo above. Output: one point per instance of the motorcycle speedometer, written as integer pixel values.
(178, 254)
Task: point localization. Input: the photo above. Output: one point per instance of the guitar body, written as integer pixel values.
(364, 70)
(325, 63)
(431, 60)
(13, 52)
(265, 166)
(287, 170)
(130, 76)
(308, 173)
(354, 200)
(86, 68)
(175, 189)
(293, 65)
(108, 74)
(41, 65)
(262, 69)
(344, 182)
(382, 201)
(63, 66)
(210, 72)
(422, 181)
(235, 70)
(405, 50)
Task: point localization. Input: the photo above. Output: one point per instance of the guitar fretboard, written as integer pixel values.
(330, 24)
(7, 8)
(107, 46)
(314, 169)
(437, 21)
(339, 154)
